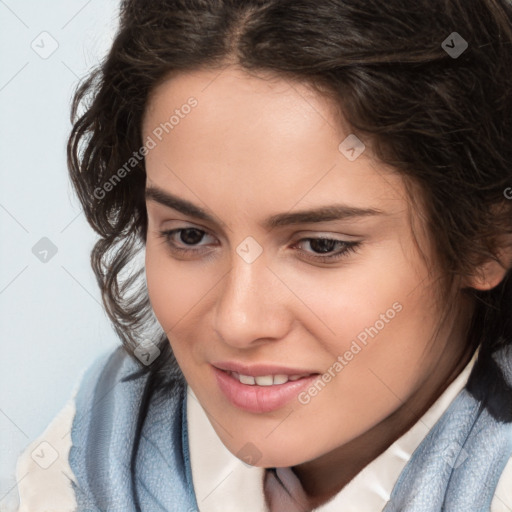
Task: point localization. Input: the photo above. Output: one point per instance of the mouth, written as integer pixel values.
(264, 392)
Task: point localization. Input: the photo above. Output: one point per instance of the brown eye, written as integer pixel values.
(321, 246)
(191, 236)
(187, 241)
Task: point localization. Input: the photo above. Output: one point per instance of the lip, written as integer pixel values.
(260, 399)
(260, 369)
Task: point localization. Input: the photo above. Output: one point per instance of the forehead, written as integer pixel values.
(242, 111)
(257, 142)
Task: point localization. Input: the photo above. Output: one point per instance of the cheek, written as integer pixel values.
(171, 291)
(179, 296)
(173, 287)
(169, 296)
(379, 316)
(159, 279)
(339, 306)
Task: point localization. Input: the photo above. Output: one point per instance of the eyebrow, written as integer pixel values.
(321, 214)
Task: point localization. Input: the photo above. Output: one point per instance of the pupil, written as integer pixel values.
(322, 245)
(196, 236)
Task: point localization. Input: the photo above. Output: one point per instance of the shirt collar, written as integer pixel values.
(223, 482)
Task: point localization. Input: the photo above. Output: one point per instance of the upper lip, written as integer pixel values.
(256, 370)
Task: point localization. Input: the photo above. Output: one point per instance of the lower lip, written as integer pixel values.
(256, 398)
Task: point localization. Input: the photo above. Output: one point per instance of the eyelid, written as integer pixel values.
(347, 237)
(163, 215)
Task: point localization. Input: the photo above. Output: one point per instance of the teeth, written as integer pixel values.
(246, 379)
(280, 379)
(266, 380)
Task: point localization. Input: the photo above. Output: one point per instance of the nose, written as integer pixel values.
(252, 304)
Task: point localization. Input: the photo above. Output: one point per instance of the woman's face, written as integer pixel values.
(232, 286)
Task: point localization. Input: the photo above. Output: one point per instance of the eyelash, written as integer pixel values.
(348, 247)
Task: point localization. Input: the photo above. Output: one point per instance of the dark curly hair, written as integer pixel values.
(443, 121)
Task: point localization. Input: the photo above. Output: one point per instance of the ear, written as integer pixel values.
(490, 273)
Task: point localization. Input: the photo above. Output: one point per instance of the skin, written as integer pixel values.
(253, 147)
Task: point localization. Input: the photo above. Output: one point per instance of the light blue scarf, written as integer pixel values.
(456, 467)
(103, 436)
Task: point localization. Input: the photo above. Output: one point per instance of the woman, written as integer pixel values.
(322, 320)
